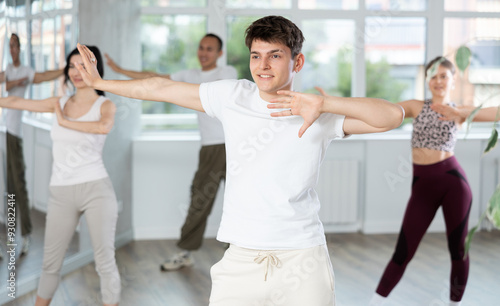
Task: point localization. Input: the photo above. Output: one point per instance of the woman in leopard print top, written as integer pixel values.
(438, 181)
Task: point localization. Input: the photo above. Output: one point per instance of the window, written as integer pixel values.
(395, 57)
(375, 48)
(47, 32)
(174, 3)
(238, 54)
(396, 5)
(480, 84)
(260, 4)
(328, 4)
(3, 50)
(473, 6)
(170, 44)
(329, 55)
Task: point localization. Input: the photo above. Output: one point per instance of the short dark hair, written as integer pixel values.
(216, 37)
(443, 61)
(14, 35)
(98, 57)
(275, 29)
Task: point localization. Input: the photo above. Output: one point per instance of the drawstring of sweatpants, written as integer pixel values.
(270, 258)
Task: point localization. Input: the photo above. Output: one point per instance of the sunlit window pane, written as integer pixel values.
(396, 5)
(170, 44)
(4, 52)
(44, 60)
(260, 4)
(36, 6)
(36, 40)
(49, 39)
(37, 63)
(63, 46)
(481, 81)
(473, 6)
(395, 56)
(174, 3)
(64, 38)
(328, 50)
(328, 4)
(238, 54)
(16, 8)
(49, 5)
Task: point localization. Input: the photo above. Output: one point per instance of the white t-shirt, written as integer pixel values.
(13, 117)
(77, 156)
(210, 129)
(269, 201)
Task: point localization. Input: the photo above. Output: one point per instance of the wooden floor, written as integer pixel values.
(358, 262)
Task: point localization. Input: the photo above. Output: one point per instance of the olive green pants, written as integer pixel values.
(16, 182)
(211, 171)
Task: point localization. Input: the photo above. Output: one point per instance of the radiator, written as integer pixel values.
(338, 191)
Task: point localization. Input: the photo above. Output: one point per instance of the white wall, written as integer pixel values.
(389, 177)
(163, 168)
(162, 175)
(115, 29)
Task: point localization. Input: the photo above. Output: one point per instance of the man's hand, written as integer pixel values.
(308, 106)
(111, 63)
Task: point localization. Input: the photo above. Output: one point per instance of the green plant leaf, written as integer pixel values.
(493, 214)
(493, 210)
(468, 239)
(492, 142)
(471, 233)
(470, 118)
(494, 217)
(462, 58)
(433, 69)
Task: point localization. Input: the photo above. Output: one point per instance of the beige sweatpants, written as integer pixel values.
(97, 201)
(247, 277)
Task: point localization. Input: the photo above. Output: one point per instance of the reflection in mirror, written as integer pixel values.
(27, 267)
(52, 34)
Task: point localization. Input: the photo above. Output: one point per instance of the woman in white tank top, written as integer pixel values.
(79, 183)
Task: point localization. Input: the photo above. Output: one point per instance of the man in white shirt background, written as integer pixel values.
(212, 156)
(17, 78)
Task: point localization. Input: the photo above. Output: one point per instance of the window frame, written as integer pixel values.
(27, 19)
(216, 13)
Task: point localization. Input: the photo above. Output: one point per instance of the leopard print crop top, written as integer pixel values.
(431, 133)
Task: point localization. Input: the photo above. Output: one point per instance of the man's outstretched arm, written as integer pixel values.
(47, 75)
(363, 115)
(152, 89)
(132, 73)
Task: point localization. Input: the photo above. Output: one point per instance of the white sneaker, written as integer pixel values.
(26, 245)
(178, 261)
(377, 300)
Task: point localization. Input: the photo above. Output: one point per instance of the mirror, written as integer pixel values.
(20, 270)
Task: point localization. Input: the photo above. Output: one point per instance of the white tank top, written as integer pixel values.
(77, 156)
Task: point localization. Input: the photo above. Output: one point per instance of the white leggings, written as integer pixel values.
(247, 277)
(97, 201)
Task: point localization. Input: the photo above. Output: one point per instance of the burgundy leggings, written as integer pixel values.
(442, 184)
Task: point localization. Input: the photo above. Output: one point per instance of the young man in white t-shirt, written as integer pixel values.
(17, 78)
(212, 156)
(278, 251)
